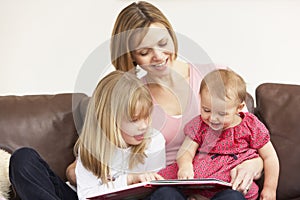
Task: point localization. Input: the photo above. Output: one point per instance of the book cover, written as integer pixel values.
(141, 190)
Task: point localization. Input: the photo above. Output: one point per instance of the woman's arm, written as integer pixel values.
(243, 175)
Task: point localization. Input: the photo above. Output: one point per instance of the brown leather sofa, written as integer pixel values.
(278, 107)
(51, 123)
(47, 123)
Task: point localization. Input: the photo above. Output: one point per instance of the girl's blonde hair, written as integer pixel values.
(114, 99)
(225, 83)
(137, 17)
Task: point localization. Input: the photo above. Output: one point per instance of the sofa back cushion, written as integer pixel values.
(278, 107)
(43, 122)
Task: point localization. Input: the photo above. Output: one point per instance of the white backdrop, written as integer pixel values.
(44, 43)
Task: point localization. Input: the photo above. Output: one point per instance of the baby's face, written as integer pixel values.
(217, 113)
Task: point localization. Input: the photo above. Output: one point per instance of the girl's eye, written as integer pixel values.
(134, 120)
(206, 110)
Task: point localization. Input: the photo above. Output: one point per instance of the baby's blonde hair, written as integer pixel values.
(114, 99)
(225, 83)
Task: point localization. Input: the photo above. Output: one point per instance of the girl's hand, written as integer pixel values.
(142, 177)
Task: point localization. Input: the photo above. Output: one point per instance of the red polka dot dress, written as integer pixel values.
(221, 151)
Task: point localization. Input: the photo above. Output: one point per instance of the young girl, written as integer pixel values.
(117, 147)
(223, 136)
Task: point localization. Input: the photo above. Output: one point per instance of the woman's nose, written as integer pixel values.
(158, 54)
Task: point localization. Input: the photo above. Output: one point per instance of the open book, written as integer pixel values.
(141, 190)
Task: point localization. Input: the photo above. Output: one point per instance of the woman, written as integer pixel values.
(143, 36)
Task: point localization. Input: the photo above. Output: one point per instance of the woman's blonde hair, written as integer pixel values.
(225, 83)
(114, 99)
(137, 17)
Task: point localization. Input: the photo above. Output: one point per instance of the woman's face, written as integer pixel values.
(156, 50)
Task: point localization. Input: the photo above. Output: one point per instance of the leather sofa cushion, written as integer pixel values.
(43, 122)
(278, 107)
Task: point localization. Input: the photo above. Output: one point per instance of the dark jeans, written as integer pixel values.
(229, 194)
(166, 193)
(171, 193)
(32, 178)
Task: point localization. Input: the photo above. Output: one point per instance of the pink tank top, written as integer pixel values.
(172, 126)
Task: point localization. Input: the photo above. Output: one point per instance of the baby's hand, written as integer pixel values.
(268, 194)
(143, 177)
(186, 172)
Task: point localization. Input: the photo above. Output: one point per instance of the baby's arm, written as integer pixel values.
(271, 168)
(185, 158)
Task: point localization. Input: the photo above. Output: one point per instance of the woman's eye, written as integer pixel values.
(143, 53)
(163, 43)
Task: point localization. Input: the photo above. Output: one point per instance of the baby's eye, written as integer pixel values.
(222, 113)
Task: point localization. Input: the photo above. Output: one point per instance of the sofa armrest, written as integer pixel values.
(278, 107)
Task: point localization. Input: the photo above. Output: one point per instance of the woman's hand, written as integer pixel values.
(142, 177)
(268, 194)
(243, 175)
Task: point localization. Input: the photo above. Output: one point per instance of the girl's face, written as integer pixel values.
(156, 50)
(217, 113)
(133, 131)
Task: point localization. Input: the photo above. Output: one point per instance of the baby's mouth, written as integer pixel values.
(215, 126)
